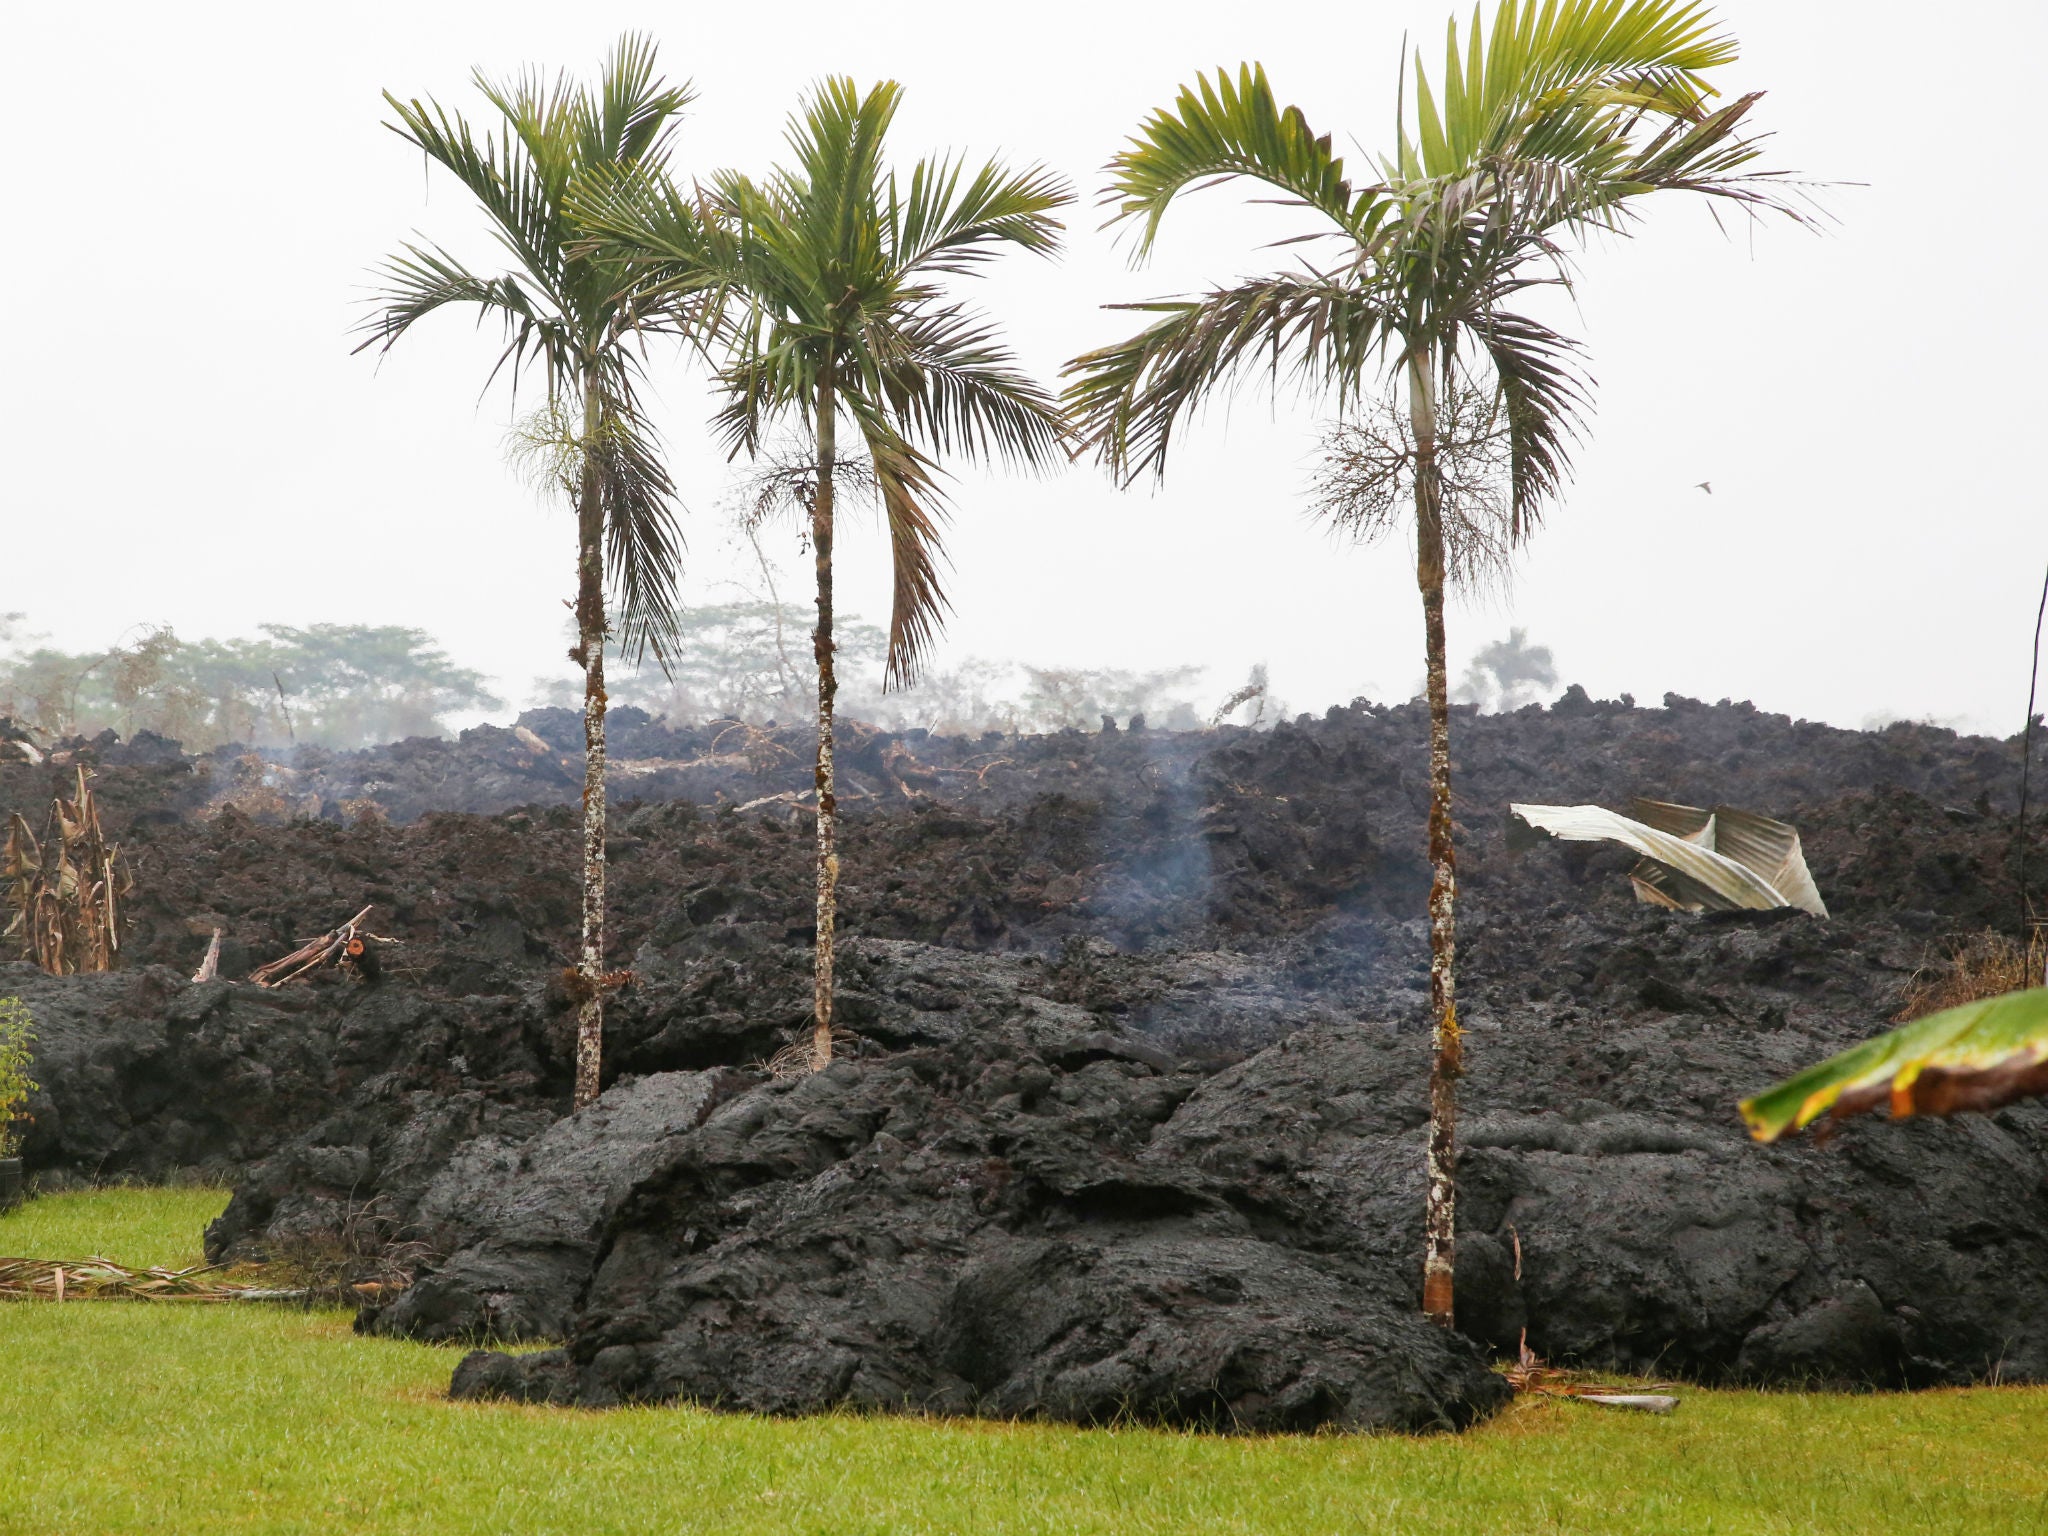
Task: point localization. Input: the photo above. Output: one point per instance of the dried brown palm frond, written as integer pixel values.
(97, 1279)
(368, 1252)
(1532, 1374)
(1364, 485)
(65, 889)
(800, 1057)
(783, 482)
(762, 751)
(1254, 687)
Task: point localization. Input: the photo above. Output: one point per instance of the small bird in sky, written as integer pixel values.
(1707, 486)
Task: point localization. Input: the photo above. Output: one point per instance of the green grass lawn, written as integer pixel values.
(134, 1416)
(142, 1227)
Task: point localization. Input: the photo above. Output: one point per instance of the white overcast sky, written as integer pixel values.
(200, 191)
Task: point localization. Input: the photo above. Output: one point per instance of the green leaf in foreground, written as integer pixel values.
(1978, 1056)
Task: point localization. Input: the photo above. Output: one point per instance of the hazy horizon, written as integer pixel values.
(188, 415)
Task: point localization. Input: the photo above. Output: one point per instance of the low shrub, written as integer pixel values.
(17, 1036)
(1983, 965)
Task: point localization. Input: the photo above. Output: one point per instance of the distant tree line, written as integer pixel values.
(331, 685)
(752, 661)
(350, 685)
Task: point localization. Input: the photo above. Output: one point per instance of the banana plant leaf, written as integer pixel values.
(1978, 1056)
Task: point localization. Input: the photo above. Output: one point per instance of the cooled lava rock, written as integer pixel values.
(966, 1223)
(1134, 1123)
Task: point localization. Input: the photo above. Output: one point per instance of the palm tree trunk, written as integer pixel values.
(1439, 1220)
(589, 653)
(828, 688)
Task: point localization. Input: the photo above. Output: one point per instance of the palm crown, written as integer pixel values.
(1555, 121)
(829, 274)
(567, 312)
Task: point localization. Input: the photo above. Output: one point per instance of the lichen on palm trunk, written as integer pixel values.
(590, 635)
(1447, 1046)
(1439, 1225)
(828, 687)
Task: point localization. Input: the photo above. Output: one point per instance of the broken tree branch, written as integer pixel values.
(349, 946)
(793, 797)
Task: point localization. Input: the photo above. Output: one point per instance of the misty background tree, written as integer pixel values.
(328, 685)
(571, 316)
(831, 273)
(749, 661)
(1547, 125)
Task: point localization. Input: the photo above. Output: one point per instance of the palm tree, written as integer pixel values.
(1556, 121)
(571, 317)
(831, 275)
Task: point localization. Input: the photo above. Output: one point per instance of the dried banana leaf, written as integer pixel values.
(64, 891)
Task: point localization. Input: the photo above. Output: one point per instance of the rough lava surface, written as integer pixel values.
(1133, 1122)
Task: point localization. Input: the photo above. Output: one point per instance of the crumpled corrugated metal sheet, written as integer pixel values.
(1723, 859)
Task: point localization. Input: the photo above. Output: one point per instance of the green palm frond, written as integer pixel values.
(1556, 117)
(1545, 403)
(521, 174)
(829, 225)
(568, 309)
(1545, 61)
(1220, 128)
(1712, 157)
(420, 280)
(509, 187)
(952, 384)
(913, 508)
(642, 532)
(938, 226)
(830, 271)
(1311, 330)
(674, 252)
(755, 392)
(637, 113)
(542, 129)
